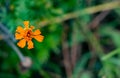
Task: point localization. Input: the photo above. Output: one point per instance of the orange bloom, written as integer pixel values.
(25, 35)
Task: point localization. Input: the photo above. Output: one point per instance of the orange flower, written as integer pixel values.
(25, 35)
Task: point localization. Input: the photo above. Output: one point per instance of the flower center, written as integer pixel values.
(28, 35)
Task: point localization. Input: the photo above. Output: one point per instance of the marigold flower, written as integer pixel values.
(25, 35)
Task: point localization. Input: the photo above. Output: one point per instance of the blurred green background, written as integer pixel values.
(81, 39)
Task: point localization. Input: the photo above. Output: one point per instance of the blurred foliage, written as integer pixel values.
(97, 48)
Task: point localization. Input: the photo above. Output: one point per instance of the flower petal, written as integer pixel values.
(30, 44)
(39, 38)
(32, 27)
(26, 24)
(19, 29)
(22, 43)
(18, 36)
(37, 32)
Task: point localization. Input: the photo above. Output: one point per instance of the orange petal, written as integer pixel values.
(37, 32)
(26, 24)
(39, 38)
(18, 36)
(32, 27)
(30, 44)
(19, 29)
(22, 43)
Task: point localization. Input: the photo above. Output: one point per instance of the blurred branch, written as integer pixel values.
(74, 55)
(7, 36)
(94, 43)
(75, 46)
(94, 24)
(66, 55)
(26, 62)
(94, 9)
(96, 21)
(6, 31)
(112, 53)
(11, 44)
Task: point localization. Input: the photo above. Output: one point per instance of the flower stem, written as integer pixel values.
(9, 39)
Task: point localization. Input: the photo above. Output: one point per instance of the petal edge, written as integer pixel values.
(19, 29)
(39, 38)
(18, 36)
(26, 24)
(22, 43)
(37, 32)
(30, 44)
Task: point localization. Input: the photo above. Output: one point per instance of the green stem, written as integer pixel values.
(110, 54)
(90, 10)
